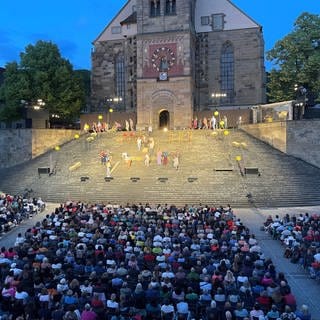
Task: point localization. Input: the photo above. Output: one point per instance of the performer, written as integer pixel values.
(108, 168)
(176, 162)
(147, 160)
(131, 124)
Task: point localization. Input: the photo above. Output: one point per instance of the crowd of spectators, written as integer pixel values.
(14, 209)
(104, 262)
(300, 235)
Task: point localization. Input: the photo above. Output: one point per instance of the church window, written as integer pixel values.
(217, 21)
(227, 71)
(119, 76)
(205, 20)
(170, 7)
(116, 30)
(154, 8)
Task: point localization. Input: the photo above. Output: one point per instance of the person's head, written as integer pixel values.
(256, 306)
(239, 306)
(305, 309)
(113, 296)
(287, 309)
(166, 302)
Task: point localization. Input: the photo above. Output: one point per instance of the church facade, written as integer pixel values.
(164, 60)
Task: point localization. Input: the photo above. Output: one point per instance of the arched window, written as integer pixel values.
(227, 72)
(154, 8)
(119, 76)
(170, 7)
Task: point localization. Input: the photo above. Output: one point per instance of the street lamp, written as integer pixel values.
(39, 105)
(218, 95)
(117, 99)
(300, 102)
(111, 103)
(113, 100)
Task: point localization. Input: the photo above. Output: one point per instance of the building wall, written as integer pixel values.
(173, 96)
(234, 18)
(198, 53)
(163, 23)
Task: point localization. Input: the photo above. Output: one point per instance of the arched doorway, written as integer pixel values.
(164, 119)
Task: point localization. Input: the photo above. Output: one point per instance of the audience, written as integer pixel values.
(104, 262)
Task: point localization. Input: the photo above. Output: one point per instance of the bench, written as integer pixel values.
(251, 170)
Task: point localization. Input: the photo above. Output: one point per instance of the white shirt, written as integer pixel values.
(21, 296)
(112, 304)
(167, 308)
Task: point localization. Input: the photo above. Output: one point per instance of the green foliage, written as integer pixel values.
(42, 74)
(84, 76)
(297, 60)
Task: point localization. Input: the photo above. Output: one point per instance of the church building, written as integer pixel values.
(164, 60)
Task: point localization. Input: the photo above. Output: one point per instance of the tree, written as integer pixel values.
(42, 74)
(297, 60)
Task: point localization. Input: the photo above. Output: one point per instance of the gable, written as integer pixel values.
(234, 18)
(118, 28)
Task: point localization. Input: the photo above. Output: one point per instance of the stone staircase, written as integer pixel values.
(208, 172)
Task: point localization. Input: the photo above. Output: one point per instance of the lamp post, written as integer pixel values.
(109, 118)
(111, 103)
(300, 102)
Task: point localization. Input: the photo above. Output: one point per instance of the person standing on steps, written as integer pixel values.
(139, 143)
(147, 160)
(176, 161)
(108, 165)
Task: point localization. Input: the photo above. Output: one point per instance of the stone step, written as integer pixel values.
(208, 173)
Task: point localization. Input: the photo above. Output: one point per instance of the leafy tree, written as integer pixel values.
(14, 85)
(297, 60)
(42, 74)
(85, 75)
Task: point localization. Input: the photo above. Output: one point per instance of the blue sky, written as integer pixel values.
(74, 24)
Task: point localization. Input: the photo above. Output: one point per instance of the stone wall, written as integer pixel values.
(249, 84)
(295, 138)
(20, 145)
(16, 146)
(47, 139)
(274, 133)
(303, 140)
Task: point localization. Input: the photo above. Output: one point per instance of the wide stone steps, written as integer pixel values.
(208, 172)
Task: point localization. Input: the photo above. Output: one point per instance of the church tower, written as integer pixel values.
(165, 63)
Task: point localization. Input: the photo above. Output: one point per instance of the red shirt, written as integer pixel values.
(88, 315)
